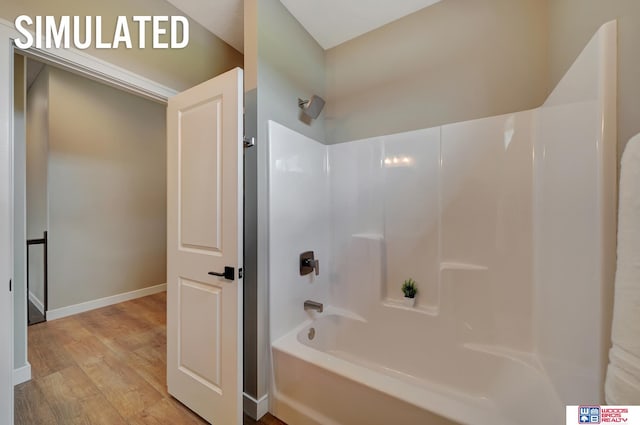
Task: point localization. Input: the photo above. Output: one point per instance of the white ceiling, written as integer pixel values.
(330, 22)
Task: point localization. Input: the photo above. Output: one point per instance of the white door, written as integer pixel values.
(204, 236)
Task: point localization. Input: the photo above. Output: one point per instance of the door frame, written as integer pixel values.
(77, 62)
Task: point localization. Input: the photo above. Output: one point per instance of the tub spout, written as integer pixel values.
(313, 305)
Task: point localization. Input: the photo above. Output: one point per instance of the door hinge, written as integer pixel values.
(240, 273)
(249, 142)
(10, 288)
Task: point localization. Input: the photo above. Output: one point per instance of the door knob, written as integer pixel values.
(229, 273)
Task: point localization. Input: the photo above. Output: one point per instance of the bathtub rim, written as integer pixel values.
(447, 403)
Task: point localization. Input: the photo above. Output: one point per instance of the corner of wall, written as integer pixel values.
(290, 65)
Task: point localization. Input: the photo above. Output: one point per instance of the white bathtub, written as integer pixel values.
(353, 373)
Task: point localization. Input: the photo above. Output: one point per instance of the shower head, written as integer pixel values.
(312, 107)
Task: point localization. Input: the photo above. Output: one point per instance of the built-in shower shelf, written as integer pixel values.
(450, 265)
(398, 304)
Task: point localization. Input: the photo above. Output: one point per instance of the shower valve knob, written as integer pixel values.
(308, 263)
(315, 265)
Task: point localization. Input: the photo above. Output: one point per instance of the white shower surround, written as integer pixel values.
(508, 226)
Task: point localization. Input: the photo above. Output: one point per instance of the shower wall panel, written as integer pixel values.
(298, 222)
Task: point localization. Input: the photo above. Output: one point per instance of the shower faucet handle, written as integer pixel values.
(315, 265)
(308, 263)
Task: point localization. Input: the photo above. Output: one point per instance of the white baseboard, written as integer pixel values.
(36, 302)
(59, 313)
(22, 374)
(255, 408)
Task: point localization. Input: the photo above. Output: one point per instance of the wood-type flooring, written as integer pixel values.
(106, 366)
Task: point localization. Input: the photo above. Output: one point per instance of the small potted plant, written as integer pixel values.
(409, 289)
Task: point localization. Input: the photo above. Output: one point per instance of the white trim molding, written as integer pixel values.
(59, 313)
(36, 302)
(22, 374)
(6, 227)
(79, 62)
(255, 408)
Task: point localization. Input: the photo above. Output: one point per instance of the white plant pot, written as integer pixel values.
(409, 302)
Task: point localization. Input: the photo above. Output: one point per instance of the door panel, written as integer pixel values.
(199, 353)
(200, 154)
(204, 231)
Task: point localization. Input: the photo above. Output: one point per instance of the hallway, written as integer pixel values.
(105, 366)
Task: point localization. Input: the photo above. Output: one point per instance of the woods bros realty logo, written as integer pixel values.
(603, 414)
(167, 32)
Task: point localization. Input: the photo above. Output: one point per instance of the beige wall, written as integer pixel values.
(573, 23)
(250, 45)
(454, 61)
(291, 65)
(460, 60)
(37, 168)
(107, 191)
(205, 57)
(19, 212)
